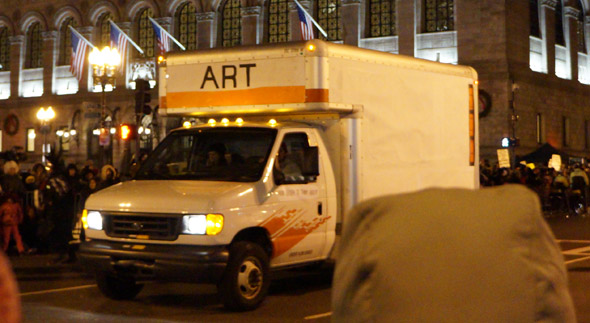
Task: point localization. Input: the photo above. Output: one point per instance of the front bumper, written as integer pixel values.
(183, 263)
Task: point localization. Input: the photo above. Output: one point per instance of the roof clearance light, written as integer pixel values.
(272, 122)
(211, 122)
(311, 47)
(225, 121)
(239, 120)
(186, 124)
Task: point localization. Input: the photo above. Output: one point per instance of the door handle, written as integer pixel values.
(320, 211)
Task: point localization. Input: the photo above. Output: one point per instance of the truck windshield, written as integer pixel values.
(216, 154)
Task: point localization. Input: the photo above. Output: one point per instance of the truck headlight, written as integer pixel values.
(92, 220)
(210, 224)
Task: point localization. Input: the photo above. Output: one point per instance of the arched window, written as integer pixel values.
(439, 15)
(186, 25)
(4, 50)
(534, 18)
(581, 36)
(65, 42)
(559, 37)
(104, 28)
(278, 21)
(382, 21)
(330, 18)
(34, 53)
(231, 26)
(145, 33)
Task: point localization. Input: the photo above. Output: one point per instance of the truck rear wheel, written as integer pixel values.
(117, 288)
(246, 279)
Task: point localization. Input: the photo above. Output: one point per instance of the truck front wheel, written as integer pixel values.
(246, 279)
(117, 288)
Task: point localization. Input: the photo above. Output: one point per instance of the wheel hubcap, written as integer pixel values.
(249, 278)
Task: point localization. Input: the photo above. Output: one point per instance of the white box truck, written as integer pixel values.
(295, 135)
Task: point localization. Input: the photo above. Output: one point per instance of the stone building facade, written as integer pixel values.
(531, 56)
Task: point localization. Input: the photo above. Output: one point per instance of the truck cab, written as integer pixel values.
(262, 190)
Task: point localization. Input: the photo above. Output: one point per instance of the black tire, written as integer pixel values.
(246, 280)
(117, 288)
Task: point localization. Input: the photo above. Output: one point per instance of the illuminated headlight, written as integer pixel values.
(210, 224)
(92, 220)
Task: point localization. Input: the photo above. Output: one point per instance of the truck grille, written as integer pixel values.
(141, 226)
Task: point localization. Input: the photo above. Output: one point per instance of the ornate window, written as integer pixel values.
(65, 44)
(145, 32)
(4, 50)
(559, 37)
(34, 53)
(382, 21)
(231, 27)
(105, 29)
(278, 21)
(439, 15)
(534, 18)
(186, 25)
(581, 36)
(330, 18)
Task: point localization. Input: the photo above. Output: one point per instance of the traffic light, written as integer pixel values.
(142, 97)
(128, 131)
(509, 142)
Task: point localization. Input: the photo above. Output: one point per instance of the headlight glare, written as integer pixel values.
(94, 220)
(210, 224)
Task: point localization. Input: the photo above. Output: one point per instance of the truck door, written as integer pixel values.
(298, 223)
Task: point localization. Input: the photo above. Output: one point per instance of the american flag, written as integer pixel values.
(163, 38)
(119, 41)
(306, 25)
(78, 56)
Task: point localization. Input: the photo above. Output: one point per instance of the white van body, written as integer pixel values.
(379, 124)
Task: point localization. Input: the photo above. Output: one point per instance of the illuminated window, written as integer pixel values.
(581, 38)
(145, 32)
(382, 21)
(186, 25)
(559, 37)
(30, 144)
(65, 42)
(278, 21)
(34, 51)
(231, 26)
(534, 18)
(330, 18)
(105, 29)
(439, 15)
(4, 50)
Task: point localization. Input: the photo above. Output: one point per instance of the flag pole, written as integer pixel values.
(167, 33)
(128, 38)
(81, 37)
(312, 20)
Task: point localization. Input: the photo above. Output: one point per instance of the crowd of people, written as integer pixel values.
(40, 207)
(565, 191)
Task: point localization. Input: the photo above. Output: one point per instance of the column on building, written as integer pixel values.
(49, 54)
(408, 23)
(571, 40)
(351, 18)
(86, 78)
(16, 61)
(547, 22)
(206, 30)
(251, 25)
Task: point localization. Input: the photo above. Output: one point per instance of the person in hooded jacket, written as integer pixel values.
(108, 177)
(451, 255)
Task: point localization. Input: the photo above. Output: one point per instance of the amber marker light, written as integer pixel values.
(311, 47)
(186, 124)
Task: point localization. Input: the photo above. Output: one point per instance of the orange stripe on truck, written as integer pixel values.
(257, 96)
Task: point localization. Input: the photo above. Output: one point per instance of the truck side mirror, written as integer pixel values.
(310, 162)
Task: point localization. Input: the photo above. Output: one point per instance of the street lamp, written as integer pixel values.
(45, 116)
(104, 63)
